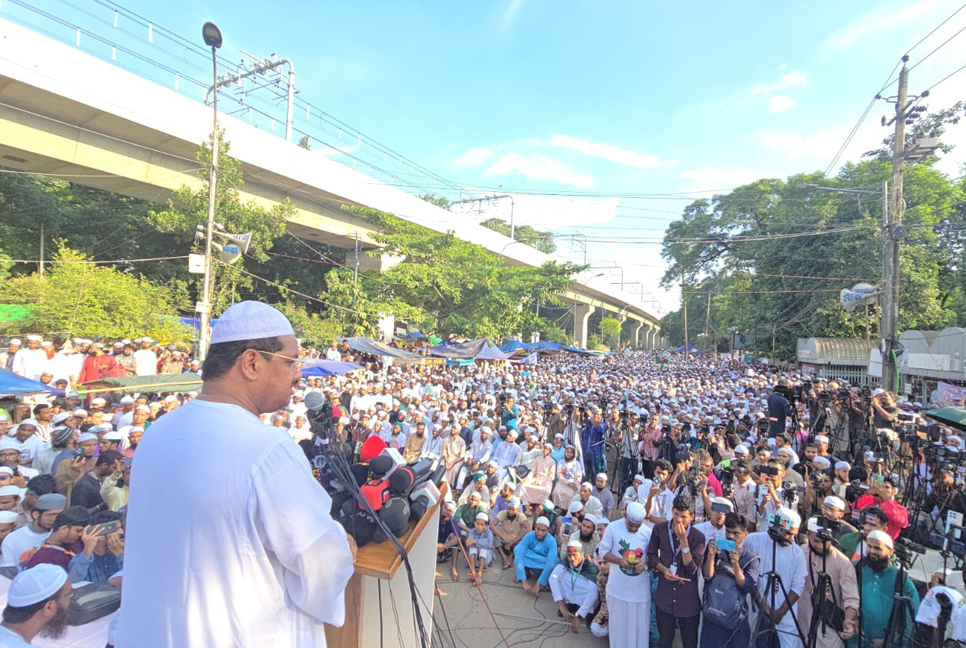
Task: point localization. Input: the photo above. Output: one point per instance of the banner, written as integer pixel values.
(242, 240)
(947, 394)
(229, 253)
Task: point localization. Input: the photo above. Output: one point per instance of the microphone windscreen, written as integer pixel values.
(371, 447)
(314, 401)
(395, 514)
(401, 481)
(380, 465)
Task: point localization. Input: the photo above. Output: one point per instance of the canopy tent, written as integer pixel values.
(194, 322)
(543, 346)
(954, 416)
(680, 349)
(526, 360)
(175, 383)
(480, 349)
(13, 385)
(372, 347)
(322, 368)
(492, 352)
(513, 346)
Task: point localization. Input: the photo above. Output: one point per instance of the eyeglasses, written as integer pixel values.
(5, 477)
(297, 363)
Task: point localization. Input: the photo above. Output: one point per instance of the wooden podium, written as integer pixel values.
(382, 582)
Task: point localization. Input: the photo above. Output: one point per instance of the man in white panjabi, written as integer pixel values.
(624, 545)
(240, 551)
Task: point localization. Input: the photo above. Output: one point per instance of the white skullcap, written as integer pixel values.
(60, 418)
(514, 502)
(741, 449)
(250, 320)
(575, 543)
(821, 438)
(603, 521)
(822, 460)
(33, 338)
(723, 500)
(113, 436)
(16, 341)
(793, 519)
(142, 408)
(127, 400)
(635, 512)
(6, 443)
(575, 506)
(593, 519)
(543, 520)
(86, 436)
(599, 475)
(813, 524)
(483, 516)
(639, 478)
(35, 585)
(8, 517)
(839, 465)
(881, 536)
(6, 470)
(835, 502)
(786, 451)
(7, 491)
(98, 401)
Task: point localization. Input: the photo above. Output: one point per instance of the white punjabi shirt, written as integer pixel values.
(229, 539)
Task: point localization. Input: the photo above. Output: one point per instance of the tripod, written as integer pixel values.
(820, 593)
(773, 585)
(895, 636)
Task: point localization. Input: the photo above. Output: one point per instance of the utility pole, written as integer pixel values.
(707, 320)
(355, 272)
(890, 244)
(684, 298)
(41, 268)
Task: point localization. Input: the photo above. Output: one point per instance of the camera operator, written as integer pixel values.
(882, 494)
(650, 447)
(743, 491)
(838, 614)
(787, 456)
(878, 592)
(885, 413)
(818, 486)
(833, 508)
(772, 492)
(508, 412)
(592, 439)
(807, 463)
(779, 409)
(944, 496)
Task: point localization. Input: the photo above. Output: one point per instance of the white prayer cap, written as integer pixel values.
(723, 500)
(33, 338)
(635, 513)
(792, 519)
(7, 491)
(639, 478)
(80, 411)
(822, 461)
(6, 443)
(86, 436)
(514, 502)
(542, 520)
(603, 521)
(127, 400)
(877, 392)
(6, 470)
(813, 524)
(8, 517)
(45, 343)
(483, 516)
(882, 537)
(821, 438)
(835, 502)
(112, 436)
(839, 465)
(786, 450)
(98, 401)
(16, 341)
(741, 449)
(170, 398)
(35, 585)
(575, 506)
(602, 475)
(575, 544)
(593, 519)
(250, 320)
(142, 408)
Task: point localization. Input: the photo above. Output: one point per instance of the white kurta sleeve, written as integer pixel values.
(293, 522)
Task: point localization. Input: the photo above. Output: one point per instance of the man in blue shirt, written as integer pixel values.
(536, 553)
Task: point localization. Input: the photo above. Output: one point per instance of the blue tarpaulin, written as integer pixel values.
(322, 368)
(13, 385)
(480, 349)
(691, 349)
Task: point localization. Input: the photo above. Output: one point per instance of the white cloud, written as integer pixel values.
(884, 18)
(787, 80)
(472, 158)
(707, 178)
(608, 152)
(510, 15)
(538, 167)
(781, 103)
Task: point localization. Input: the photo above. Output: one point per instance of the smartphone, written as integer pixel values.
(106, 528)
(726, 545)
(78, 452)
(567, 523)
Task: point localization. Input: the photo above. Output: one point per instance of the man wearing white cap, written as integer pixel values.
(714, 527)
(293, 561)
(535, 556)
(6, 357)
(573, 584)
(624, 546)
(789, 563)
(145, 359)
(509, 526)
(878, 584)
(36, 606)
(30, 362)
(19, 546)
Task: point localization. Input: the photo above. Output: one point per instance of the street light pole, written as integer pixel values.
(212, 38)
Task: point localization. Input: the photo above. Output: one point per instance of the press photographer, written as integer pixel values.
(829, 605)
(779, 408)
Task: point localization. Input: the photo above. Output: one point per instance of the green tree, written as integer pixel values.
(527, 235)
(79, 297)
(610, 331)
(450, 286)
(188, 209)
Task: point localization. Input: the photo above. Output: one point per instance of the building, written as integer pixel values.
(843, 359)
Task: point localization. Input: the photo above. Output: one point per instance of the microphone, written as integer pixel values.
(315, 404)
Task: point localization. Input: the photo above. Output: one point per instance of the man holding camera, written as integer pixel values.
(831, 584)
(779, 409)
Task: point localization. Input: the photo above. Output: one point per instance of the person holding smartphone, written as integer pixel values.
(727, 558)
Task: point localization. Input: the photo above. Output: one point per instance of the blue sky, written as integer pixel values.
(594, 99)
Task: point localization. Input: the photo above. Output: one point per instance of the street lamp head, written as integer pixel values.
(212, 35)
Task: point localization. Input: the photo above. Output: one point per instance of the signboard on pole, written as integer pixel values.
(196, 263)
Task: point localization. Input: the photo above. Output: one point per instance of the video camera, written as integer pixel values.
(777, 528)
(904, 548)
(826, 528)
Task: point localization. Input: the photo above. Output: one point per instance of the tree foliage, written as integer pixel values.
(610, 331)
(452, 287)
(774, 257)
(79, 297)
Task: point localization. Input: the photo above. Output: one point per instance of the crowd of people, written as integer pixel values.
(649, 495)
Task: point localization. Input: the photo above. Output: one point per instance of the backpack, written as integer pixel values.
(724, 605)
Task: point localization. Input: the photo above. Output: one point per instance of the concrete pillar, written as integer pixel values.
(636, 336)
(582, 313)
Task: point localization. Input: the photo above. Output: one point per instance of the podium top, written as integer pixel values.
(382, 560)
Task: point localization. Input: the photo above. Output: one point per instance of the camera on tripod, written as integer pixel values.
(825, 528)
(855, 489)
(818, 479)
(904, 548)
(778, 528)
(727, 480)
